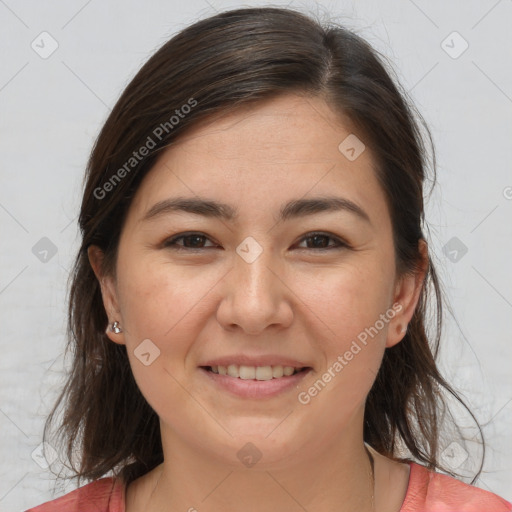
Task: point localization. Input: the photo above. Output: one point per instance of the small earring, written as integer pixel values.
(403, 330)
(115, 328)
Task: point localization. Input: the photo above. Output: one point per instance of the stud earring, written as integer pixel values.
(403, 330)
(115, 328)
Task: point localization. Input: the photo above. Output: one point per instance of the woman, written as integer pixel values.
(253, 246)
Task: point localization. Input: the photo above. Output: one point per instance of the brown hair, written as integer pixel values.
(214, 66)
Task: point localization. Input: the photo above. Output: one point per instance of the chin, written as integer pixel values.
(263, 446)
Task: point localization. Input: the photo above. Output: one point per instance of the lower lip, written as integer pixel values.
(252, 388)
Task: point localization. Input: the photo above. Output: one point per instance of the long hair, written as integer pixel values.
(214, 66)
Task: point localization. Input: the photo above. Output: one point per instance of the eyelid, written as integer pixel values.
(339, 243)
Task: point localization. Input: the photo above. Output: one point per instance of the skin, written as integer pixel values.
(294, 299)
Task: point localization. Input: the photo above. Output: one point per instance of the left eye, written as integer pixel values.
(321, 241)
(198, 240)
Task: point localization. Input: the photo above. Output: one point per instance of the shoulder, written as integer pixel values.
(106, 494)
(429, 491)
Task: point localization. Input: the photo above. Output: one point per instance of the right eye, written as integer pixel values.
(191, 241)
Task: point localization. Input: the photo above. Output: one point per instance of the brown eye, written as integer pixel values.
(190, 241)
(321, 241)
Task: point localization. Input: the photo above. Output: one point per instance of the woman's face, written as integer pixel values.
(289, 262)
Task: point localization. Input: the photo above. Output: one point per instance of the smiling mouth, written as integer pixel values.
(255, 372)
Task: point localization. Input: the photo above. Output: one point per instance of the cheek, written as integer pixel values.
(164, 309)
(348, 300)
(347, 307)
(159, 300)
(162, 314)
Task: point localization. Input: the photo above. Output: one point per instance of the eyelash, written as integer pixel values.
(171, 243)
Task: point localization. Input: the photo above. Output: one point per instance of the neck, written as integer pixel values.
(338, 478)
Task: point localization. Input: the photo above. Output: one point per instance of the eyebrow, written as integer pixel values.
(293, 209)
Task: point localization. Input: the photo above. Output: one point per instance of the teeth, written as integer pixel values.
(288, 370)
(277, 371)
(255, 372)
(246, 372)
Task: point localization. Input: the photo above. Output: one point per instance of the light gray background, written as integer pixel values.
(52, 109)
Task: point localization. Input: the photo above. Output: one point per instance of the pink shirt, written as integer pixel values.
(427, 492)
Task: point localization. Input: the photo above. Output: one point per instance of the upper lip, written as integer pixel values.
(245, 360)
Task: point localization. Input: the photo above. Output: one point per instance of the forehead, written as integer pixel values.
(291, 126)
(263, 155)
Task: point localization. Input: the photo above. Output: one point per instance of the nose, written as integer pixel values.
(255, 296)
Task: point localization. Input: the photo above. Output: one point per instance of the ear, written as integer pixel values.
(407, 294)
(108, 292)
